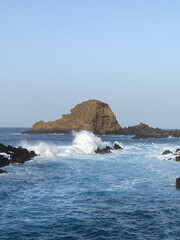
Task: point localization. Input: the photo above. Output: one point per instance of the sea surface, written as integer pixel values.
(69, 192)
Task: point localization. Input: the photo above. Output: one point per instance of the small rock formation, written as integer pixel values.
(166, 152)
(143, 131)
(117, 147)
(9, 154)
(2, 171)
(177, 159)
(104, 150)
(177, 151)
(92, 115)
(108, 149)
(4, 161)
(178, 182)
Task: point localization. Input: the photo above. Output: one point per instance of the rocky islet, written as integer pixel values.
(97, 117)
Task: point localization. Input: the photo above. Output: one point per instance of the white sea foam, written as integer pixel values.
(5, 155)
(84, 143)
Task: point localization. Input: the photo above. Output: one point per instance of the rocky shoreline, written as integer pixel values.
(19, 155)
(169, 155)
(12, 155)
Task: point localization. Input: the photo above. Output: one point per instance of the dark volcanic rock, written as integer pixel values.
(104, 150)
(21, 155)
(2, 171)
(177, 150)
(16, 155)
(117, 147)
(92, 115)
(143, 131)
(108, 149)
(178, 182)
(177, 158)
(166, 152)
(3, 161)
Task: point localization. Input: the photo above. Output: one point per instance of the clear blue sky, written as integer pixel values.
(57, 53)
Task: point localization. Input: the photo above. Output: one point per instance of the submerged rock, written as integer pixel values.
(93, 115)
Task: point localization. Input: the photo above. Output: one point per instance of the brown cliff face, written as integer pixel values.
(92, 115)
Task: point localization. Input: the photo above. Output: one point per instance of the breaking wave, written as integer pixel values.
(84, 143)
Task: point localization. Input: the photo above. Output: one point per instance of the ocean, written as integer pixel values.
(69, 192)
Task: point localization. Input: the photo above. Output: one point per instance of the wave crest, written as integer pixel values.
(84, 143)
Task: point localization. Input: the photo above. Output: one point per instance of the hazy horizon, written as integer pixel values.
(56, 54)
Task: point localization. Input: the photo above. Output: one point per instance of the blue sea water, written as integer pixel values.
(68, 192)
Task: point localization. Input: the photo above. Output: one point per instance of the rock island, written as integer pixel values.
(91, 115)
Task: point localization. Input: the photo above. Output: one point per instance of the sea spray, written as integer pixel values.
(84, 143)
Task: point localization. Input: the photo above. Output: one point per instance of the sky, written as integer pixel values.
(55, 54)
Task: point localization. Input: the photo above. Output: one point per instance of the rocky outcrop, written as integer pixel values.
(2, 171)
(92, 115)
(167, 152)
(97, 117)
(9, 154)
(108, 149)
(172, 156)
(143, 131)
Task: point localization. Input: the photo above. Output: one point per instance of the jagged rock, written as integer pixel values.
(97, 117)
(177, 150)
(92, 115)
(104, 150)
(166, 152)
(108, 149)
(178, 182)
(142, 131)
(117, 147)
(177, 158)
(21, 155)
(2, 171)
(3, 161)
(16, 155)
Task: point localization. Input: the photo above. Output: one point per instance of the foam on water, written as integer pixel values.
(129, 194)
(84, 143)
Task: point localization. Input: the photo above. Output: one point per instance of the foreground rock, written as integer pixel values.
(104, 150)
(9, 154)
(2, 171)
(92, 115)
(167, 152)
(178, 182)
(173, 156)
(108, 149)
